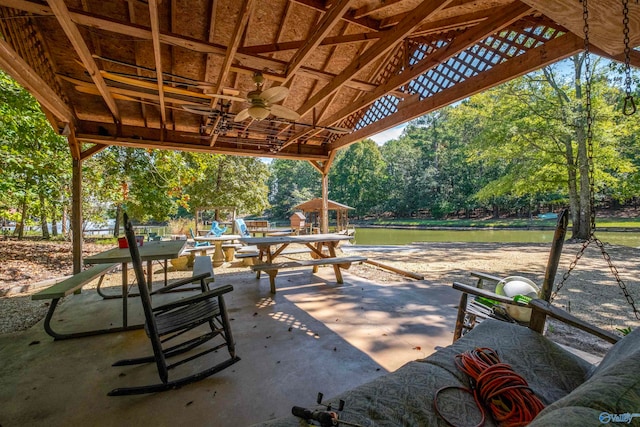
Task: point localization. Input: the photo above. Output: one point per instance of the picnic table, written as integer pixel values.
(270, 247)
(149, 252)
(218, 254)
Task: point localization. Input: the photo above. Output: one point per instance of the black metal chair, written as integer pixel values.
(179, 321)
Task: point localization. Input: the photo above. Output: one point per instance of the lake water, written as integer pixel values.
(391, 236)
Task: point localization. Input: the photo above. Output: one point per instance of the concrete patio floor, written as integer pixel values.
(312, 336)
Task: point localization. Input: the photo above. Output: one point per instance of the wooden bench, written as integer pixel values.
(337, 262)
(67, 287)
(251, 257)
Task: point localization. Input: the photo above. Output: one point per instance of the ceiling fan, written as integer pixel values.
(262, 103)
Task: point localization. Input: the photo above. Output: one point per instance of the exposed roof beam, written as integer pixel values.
(328, 41)
(457, 23)
(157, 54)
(324, 27)
(380, 47)
(92, 150)
(552, 51)
(320, 6)
(368, 10)
(472, 36)
(634, 56)
(132, 17)
(150, 140)
(393, 20)
(22, 72)
(248, 61)
(61, 12)
(236, 37)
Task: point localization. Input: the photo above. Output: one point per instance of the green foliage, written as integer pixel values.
(292, 182)
(34, 160)
(357, 177)
(217, 180)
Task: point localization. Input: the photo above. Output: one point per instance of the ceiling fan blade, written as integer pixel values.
(203, 110)
(227, 97)
(275, 94)
(284, 112)
(242, 115)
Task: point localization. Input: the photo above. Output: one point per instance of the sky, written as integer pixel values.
(389, 134)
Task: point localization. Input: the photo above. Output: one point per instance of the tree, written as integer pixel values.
(219, 180)
(357, 177)
(34, 160)
(291, 182)
(535, 128)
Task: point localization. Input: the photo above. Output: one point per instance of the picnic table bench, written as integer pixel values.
(339, 262)
(74, 284)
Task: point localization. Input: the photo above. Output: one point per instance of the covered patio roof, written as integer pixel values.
(316, 205)
(122, 72)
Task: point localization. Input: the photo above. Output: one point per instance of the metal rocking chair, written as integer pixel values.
(171, 322)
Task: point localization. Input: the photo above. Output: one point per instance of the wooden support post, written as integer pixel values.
(324, 214)
(538, 318)
(76, 215)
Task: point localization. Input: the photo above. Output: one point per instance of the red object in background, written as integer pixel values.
(122, 242)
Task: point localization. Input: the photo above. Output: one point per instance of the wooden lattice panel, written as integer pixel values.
(496, 49)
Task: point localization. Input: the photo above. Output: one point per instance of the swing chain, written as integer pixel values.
(629, 108)
(589, 120)
(616, 274)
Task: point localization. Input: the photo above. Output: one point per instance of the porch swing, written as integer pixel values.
(486, 302)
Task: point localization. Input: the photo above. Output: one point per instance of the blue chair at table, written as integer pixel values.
(197, 243)
(242, 228)
(216, 230)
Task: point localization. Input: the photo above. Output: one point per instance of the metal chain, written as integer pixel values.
(629, 105)
(592, 237)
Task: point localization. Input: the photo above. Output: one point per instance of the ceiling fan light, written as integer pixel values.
(258, 113)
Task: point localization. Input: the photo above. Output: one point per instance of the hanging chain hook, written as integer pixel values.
(629, 107)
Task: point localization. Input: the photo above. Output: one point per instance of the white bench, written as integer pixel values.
(67, 287)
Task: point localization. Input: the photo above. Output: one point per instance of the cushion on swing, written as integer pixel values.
(612, 389)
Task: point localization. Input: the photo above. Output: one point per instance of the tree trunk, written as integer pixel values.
(583, 231)
(116, 225)
(43, 218)
(572, 185)
(20, 228)
(64, 219)
(54, 224)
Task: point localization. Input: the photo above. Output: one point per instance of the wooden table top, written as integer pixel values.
(149, 251)
(307, 238)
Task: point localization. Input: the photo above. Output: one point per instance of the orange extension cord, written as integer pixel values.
(496, 387)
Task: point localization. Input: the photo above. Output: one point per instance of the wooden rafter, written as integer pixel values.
(59, 9)
(257, 62)
(157, 54)
(552, 51)
(92, 150)
(169, 144)
(328, 41)
(324, 27)
(380, 47)
(236, 37)
(368, 9)
(320, 6)
(22, 72)
(463, 41)
(132, 18)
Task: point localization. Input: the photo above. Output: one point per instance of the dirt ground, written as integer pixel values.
(591, 293)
